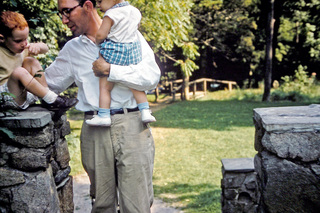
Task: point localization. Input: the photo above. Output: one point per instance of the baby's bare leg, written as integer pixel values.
(140, 96)
(143, 105)
(105, 88)
(103, 118)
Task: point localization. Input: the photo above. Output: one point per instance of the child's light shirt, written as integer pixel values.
(126, 20)
(9, 62)
(122, 46)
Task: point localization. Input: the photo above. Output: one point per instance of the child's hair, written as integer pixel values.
(11, 20)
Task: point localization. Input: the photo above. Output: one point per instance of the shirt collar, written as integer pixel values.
(122, 4)
(85, 39)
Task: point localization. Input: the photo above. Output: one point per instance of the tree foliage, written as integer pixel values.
(223, 39)
(167, 25)
(225, 33)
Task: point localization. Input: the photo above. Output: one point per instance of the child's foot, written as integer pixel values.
(99, 121)
(60, 106)
(61, 102)
(147, 117)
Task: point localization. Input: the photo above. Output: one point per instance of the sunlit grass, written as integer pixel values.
(74, 147)
(187, 170)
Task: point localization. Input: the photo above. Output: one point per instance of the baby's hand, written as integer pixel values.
(34, 48)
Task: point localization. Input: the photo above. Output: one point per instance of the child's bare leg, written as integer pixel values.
(143, 105)
(103, 118)
(33, 66)
(21, 81)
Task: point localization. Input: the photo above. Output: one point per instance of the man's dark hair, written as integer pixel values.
(81, 2)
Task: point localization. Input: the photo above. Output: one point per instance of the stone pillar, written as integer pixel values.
(238, 186)
(34, 164)
(288, 161)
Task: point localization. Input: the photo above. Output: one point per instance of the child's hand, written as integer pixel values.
(33, 48)
(37, 48)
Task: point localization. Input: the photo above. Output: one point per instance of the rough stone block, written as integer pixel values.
(66, 197)
(294, 119)
(241, 165)
(38, 194)
(293, 145)
(10, 177)
(27, 119)
(288, 184)
(62, 153)
(40, 138)
(31, 159)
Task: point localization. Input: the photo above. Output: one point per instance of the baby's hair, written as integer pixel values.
(11, 20)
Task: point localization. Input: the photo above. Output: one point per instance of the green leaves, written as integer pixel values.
(167, 25)
(187, 66)
(7, 132)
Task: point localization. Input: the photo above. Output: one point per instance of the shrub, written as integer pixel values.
(296, 88)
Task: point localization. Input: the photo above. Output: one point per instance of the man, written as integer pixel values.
(120, 157)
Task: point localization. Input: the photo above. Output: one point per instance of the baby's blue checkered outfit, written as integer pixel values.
(120, 53)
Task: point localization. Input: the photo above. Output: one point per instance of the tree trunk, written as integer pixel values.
(185, 88)
(269, 53)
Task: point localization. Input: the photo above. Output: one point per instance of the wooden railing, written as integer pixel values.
(176, 86)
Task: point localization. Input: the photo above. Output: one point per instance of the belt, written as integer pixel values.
(114, 111)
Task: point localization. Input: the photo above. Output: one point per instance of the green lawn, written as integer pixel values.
(191, 138)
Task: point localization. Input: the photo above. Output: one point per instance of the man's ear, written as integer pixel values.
(88, 6)
(2, 38)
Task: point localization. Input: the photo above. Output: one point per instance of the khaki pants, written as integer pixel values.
(119, 157)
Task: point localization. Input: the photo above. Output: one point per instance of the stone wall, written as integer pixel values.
(288, 161)
(34, 164)
(238, 186)
(286, 168)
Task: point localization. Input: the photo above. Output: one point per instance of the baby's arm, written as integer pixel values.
(104, 29)
(37, 48)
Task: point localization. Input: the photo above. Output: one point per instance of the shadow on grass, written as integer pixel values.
(207, 201)
(217, 115)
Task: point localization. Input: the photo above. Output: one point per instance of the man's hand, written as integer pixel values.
(100, 67)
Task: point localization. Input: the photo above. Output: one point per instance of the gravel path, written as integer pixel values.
(82, 201)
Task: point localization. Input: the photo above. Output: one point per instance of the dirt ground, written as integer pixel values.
(82, 201)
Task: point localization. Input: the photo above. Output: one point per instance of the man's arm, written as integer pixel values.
(143, 76)
(58, 73)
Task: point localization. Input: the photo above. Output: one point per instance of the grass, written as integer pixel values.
(191, 139)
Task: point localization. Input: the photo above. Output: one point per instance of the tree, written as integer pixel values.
(225, 32)
(166, 24)
(269, 52)
(296, 39)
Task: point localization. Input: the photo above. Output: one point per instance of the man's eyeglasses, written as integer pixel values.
(66, 11)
